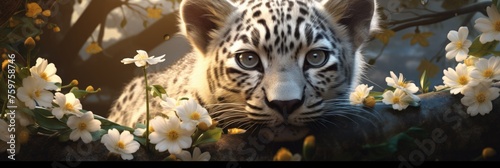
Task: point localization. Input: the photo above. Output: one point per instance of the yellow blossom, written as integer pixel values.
(385, 35)
(29, 43)
(33, 9)
(39, 21)
(93, 48)
(154, 13)
(420, 37)
(56, 29)
(46, 13)
(488, 152)
(284, 154)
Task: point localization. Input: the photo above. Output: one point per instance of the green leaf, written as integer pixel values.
(145, 23)
(209, 136)
(123, 22)
(479, 50)
(106, 124)
(403, 141)
(81, 93)
(140, 125)
(141, 140)
(64, 136)
(46, 120)
(98, 134)
(424, 82)
(158, 90)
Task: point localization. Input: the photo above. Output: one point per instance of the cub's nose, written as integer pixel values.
(286, 107)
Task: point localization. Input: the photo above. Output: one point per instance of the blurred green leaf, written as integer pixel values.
(424, 82)
(157, 90)
(98, 134)
(46, 120)
(401, 142)
(479, 50)
(145, 23)
(208, 136)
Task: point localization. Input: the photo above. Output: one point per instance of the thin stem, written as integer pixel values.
(28, 58)
(147, 107)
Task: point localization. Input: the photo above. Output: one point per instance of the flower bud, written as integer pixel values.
(202, 126)
(488, 152)
(56, 29)
(369, 101)
(89, 88)
(29, 43)
(283, 154)
(309, 147)
(46, 13)
(74, 82)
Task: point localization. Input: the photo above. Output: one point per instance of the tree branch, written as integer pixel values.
(437, 17)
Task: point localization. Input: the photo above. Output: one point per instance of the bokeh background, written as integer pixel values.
(86, 39)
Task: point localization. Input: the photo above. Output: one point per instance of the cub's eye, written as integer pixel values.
(316, 58)
(247, 60)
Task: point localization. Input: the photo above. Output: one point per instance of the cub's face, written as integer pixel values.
(276, 62)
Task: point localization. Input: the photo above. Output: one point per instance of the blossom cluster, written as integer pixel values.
(472, 77)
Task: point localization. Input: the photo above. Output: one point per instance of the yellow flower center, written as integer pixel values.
(395, 100)
(469, 61)
(82, 126)
(69, 107)
(195, 116)
(488, 73)
(497, 26)
(463, 80)
(142, 57)
(459, 44)
(402, 84)
(173, 135)
(37, 94)
(44, 76)
(120, 145)
(481, 97)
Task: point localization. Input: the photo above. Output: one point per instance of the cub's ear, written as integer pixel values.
(359, 17)
(199, 19)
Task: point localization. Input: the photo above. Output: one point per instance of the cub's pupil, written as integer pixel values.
(248, 60)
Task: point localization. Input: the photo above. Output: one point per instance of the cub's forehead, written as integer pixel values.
(278, 6)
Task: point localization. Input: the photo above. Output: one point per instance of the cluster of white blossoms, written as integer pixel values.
(35, 92)
(173, 131)
(402, 96)
(473, 76)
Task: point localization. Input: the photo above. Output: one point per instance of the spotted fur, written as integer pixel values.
(284, 87)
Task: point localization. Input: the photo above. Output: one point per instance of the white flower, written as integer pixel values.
(4, 134)
(32, 93)
(197, 155)
(400, 83)
(399, 99)
(122, 144)
(170, 105)
(83, 126)
(490, 27)
(459, 45)
(68, 104)
(140, 131)
(169, 135)
(142, 59)
(360, 93)
(478, 99)
(47, 72)
(191, 113)
(487, 69)
(457, 79)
